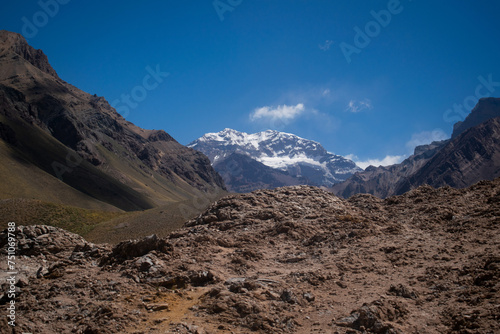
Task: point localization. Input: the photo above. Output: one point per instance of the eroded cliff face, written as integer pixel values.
(291, 260)
(149, 163)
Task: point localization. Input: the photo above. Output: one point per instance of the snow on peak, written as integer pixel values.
(272, 148)
(278, 150)
(234, 137)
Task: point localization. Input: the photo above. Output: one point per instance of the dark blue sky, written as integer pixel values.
(277, 64)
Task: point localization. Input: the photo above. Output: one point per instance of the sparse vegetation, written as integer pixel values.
(73, 219)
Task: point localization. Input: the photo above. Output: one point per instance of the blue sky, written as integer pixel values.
(367, 79)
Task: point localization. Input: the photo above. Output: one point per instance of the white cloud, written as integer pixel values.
(283, 113)
(357, 106)
(387, 161)
(425, 137)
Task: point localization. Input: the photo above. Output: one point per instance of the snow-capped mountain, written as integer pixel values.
(303, 160)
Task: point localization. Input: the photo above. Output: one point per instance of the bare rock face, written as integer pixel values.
(486, 109)
(386, 181)
(471, 157)
(291, 260)
(17, 44)
(135, 248)
(375, 317)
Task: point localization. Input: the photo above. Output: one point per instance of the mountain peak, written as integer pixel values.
(11, 42)
(229, 130)
(300, 158)
(232, 136)
(8, 38)
(485, 109)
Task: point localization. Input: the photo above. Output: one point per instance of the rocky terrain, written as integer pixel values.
(270, 159)
(51, 131)
(291, 260)
(471, 155)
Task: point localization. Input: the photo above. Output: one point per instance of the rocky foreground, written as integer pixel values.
(292, 260)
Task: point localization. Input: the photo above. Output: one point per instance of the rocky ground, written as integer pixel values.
(291, 260)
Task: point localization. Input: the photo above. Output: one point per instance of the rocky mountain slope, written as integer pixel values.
(51, 132)
(289, 158)
(471, 155)
(290, 260)
(242, 174)
(386, 181)
(486, 108)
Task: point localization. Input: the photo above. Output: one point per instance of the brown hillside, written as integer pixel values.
(72, 139)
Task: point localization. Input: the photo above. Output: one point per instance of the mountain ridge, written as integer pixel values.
(16, 43)
(485, 109)
(471, 155)
(303, 159)
(78, 139)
